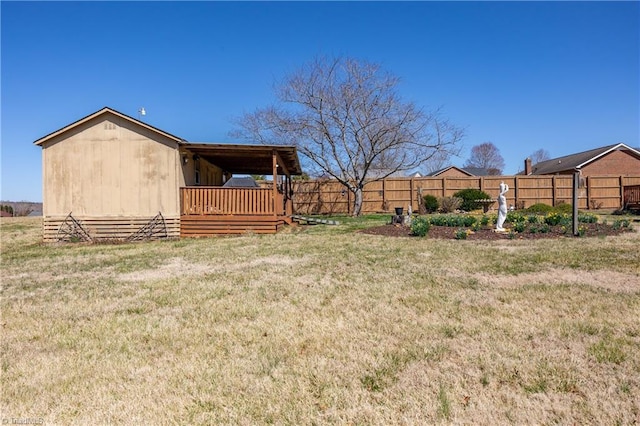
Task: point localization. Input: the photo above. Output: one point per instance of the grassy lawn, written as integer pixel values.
(320, 325)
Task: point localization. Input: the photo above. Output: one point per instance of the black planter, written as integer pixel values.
(399, 211)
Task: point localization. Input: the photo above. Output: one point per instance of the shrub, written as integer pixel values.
(539, 208)
(450, 204)
(470, 198)
(430, 203)
(619, 224)
(554, 219)
(514, 217)
(468, 220)
(461, 234)
(420, 226)
(519, 227)
(452, 220)
(587, 218)
(564, 208)
(542, 228)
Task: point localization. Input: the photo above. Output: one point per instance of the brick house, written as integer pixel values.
(611, 160)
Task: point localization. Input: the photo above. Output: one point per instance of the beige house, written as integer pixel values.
(109, 175)
(450, 171)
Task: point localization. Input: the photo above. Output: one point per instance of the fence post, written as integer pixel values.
(384, 193)
(411, 193)
(554, 191)
(588, 186)
(621, 181)
(444, 187)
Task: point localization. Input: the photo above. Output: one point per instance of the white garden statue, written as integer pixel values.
(502, 207)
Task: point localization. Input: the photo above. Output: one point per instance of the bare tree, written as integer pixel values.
(23, 208)
(348, 120)
(486, 156)
(540, 156)
(438, 161)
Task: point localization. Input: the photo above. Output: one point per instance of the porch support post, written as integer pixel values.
(281, 163)
(274, 156)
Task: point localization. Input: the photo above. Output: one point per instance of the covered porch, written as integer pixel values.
(218, 210)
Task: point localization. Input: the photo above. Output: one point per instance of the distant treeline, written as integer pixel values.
(20, 208)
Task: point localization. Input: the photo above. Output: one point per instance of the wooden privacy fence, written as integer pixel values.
(331, 197)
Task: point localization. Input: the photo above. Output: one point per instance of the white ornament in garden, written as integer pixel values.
(502, 206)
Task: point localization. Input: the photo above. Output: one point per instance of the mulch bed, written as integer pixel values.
(447, 232)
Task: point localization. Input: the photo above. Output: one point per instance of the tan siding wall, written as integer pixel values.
(210, 175)
(453, 173)
(111, 167)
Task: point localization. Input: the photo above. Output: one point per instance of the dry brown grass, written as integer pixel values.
(323, 326)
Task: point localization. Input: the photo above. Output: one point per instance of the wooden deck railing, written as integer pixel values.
(226, 201)
(631, 196)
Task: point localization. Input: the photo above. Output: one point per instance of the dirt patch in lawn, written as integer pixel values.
(447, 232)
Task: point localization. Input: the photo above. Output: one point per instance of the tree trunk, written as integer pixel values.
(357, 206)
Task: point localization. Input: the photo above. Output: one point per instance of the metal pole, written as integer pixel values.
(576, 185)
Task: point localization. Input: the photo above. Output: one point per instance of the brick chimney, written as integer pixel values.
(527, 166)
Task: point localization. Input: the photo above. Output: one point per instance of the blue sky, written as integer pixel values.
(562, 76)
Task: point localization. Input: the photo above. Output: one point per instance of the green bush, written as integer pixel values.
(515, 216)
(470, 198)
(430, 203)
(452, 220)
(622, 223)
(420, 226)
(539, 208)
(519, 227)
(553, 219)
(564, 208)
(587, 218)
(461, 234)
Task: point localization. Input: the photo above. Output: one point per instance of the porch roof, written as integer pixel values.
(247, 159)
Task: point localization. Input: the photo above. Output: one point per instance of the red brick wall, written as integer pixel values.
(615, 163)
